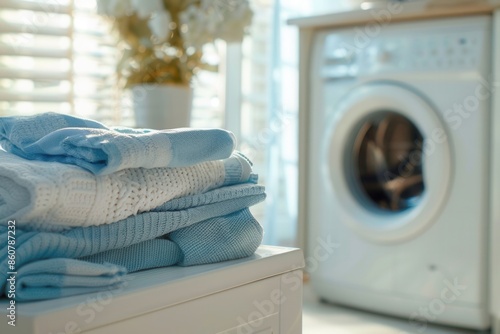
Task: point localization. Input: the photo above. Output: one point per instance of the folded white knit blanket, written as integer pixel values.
(53, 196)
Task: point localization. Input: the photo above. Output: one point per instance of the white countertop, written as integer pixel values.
(398, 12)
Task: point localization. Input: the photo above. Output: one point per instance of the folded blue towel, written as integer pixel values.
(203, 228)
(102, 150)
(57, 278)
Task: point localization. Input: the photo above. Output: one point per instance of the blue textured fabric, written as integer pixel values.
(57, 278)
(102, 150)
(218, 242)
(210, 227)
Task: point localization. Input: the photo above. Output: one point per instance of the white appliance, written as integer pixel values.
(398, 172)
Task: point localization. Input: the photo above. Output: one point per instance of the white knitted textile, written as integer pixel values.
(43, 195)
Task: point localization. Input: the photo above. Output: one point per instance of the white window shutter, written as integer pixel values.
(57, 56)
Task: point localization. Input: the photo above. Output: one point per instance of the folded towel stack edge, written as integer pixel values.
(91, 202)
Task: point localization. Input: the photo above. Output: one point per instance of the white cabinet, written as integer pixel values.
(257, 295)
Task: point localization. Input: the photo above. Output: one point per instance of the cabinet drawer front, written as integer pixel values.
(267, 325)
(239, 309)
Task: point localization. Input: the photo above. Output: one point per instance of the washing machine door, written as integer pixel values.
(389, 162)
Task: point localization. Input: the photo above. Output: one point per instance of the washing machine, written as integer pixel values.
(398, 177)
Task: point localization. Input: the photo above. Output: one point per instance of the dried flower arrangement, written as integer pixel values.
(163, 40)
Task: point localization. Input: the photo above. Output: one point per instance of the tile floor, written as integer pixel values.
(321, 318)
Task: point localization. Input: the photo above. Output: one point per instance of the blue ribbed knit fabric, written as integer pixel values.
(57, 278)
(210, 227)
(102, 150)
(234, 236)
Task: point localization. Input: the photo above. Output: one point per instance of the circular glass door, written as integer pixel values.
(385, 182)
(387, 161)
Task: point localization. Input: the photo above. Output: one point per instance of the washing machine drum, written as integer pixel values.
(389, 162)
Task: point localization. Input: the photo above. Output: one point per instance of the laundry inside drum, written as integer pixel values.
(388, 160)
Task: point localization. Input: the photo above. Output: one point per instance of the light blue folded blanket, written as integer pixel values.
(103, 150)
(198, 229)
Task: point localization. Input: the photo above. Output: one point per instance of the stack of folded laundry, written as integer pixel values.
(88, 203)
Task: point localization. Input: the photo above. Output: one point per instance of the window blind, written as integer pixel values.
(56, 56)
(59, 55)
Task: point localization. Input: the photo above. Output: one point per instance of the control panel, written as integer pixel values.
(360, 51)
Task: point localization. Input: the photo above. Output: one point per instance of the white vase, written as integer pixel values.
(162, 106)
